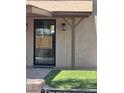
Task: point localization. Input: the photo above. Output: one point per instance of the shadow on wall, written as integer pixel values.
(86, 43)
(95, 7)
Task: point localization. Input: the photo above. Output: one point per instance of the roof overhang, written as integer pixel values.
(63, 5)
(59, 8)
(33, 10)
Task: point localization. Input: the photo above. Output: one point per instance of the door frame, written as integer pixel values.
(34, 32)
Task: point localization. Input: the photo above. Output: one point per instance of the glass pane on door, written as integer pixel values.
(44, 42)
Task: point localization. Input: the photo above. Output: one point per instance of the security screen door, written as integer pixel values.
(44, 42)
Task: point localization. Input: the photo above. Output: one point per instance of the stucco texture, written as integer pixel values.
(85, 43)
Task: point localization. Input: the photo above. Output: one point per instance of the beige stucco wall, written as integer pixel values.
(63, 45)
(29, 42)
(85, 45)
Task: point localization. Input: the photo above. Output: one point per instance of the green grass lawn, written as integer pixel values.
(72, 79)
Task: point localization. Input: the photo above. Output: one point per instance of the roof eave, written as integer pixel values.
(30, 9)
(71, 13)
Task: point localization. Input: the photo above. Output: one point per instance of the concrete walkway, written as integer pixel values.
(34, 79)
(36, 73)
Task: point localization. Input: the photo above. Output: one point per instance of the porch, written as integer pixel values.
(75, 47)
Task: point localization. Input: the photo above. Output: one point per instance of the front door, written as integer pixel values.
(44, 42)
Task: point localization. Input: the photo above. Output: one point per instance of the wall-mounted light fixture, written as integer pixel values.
(63, 26)
(26, 26)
